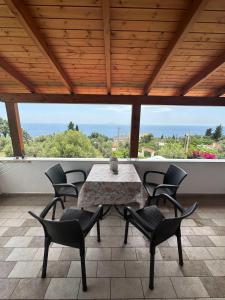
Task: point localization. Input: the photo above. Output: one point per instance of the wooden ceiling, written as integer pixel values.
(118, 47)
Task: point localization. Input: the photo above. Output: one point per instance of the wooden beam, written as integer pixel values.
(112, 99)
(15, 128)
(106, 24)
(205, 73)
(20, 11)
(8, 68)
(220, 92)
(135, 127)
(193, 11)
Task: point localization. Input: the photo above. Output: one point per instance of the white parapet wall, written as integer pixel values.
(27, 176)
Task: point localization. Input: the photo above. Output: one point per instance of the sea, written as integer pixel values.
(112, 130)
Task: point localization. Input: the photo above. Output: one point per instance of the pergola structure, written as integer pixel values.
(165, 52)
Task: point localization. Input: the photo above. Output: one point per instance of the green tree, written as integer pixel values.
(218, 133)
(208, 132)
(71, 126)
(172, 150)
(146, 138)
(77, 128)
(26, 136)
(4, 127)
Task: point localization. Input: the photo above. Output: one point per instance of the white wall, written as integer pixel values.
(27, 176)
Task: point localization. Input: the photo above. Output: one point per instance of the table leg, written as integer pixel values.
(118, 210)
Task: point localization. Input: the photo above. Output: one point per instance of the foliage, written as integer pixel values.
(67, 144)
(208, 132)
(172, 150)
(71, 126)
(102, 143)
(122, 151)
(217, 135)
(4, 128)
(146, 138)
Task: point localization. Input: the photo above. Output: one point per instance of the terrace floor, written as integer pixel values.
(113, 270)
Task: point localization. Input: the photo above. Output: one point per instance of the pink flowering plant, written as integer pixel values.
(203, 154)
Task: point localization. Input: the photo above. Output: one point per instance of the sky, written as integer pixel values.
(118, 114)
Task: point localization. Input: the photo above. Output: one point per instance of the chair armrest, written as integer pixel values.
(50, 206)
(136, 216)
(171, 200)
(164, 185)
(77, 171)
(57, 186)
(96, 216)
(153, 172)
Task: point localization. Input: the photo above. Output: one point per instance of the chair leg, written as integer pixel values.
(53, 212)
(98, 232)
(64, 198)
(45, 259)
(179, 245)
(152, 265)
(126, 231)
(83, 271)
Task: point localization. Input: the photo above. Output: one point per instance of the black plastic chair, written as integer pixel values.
(171, 182)
(152, 223)
(70, 230)
(58, 178)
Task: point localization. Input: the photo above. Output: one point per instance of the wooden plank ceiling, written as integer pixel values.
(154, 47)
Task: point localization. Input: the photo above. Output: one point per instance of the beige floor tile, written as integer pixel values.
(54, 254)
(4, 240)
(218, 240)
(195, 268)
(75, 269)
(57, 269)
(187, 230)
(107, 221)
(108, 231)
(206, 230)
(7, 286)
(217, 252)
(36, 242)
(189, 287)
(123, 254)
(111, 268)
(216, 267)
(137, 268)
(126, 288)
(16, 231)
(63, 288)
(34, 288)
(6, 268)
(219, 222)
(169, 253)
(18, 241)
(69, 254)
(2, 221)
(97, 288)
(184, 240)
(3, 230)
(197, 253)
(200, 241)
(144, 254)
(163, 288)
(188, 222)
(35, 231)
(167, 268)
(22, 254)
(98, 254)
(215, 287)
(4, 253)
(25, 270)
(14, 222)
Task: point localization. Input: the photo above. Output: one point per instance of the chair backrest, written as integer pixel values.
(56, 174)
(68, 233)
(174, 175)
(169, 226)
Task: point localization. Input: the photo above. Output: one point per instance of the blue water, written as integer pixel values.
(112, 130)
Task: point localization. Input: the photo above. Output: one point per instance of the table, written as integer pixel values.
(104, 187)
